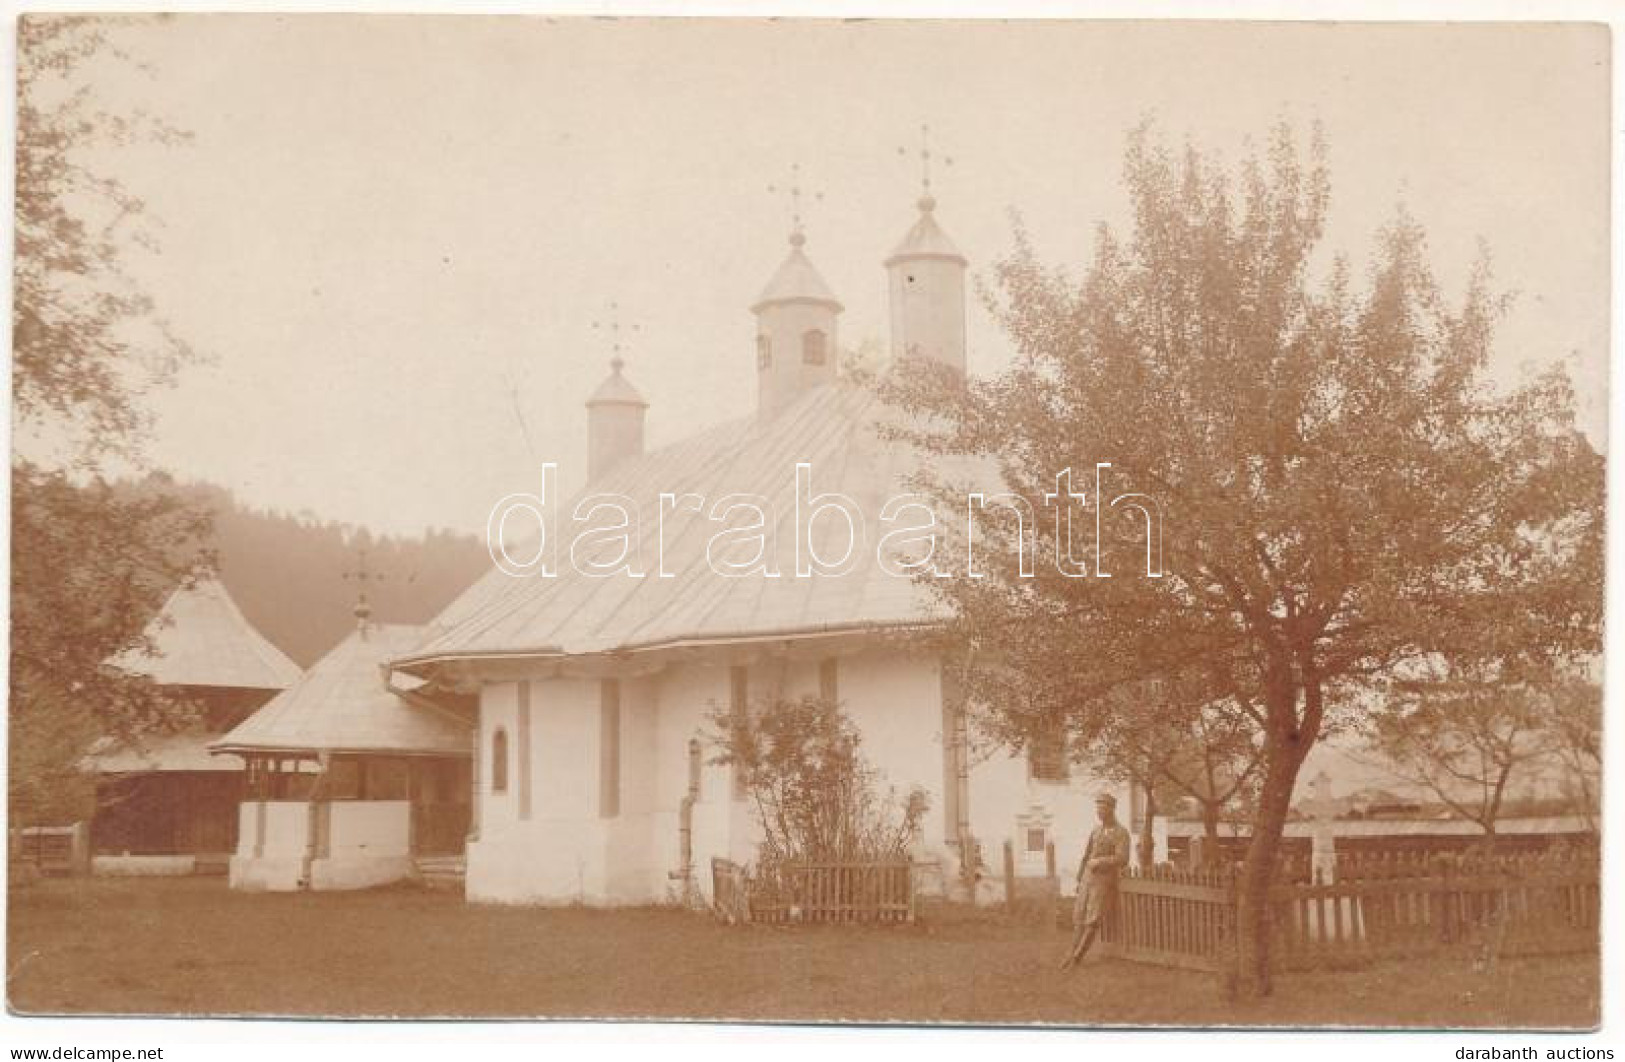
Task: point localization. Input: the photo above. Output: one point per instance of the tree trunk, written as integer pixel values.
(1148, 842)
(1210, 831)
(1284, 750)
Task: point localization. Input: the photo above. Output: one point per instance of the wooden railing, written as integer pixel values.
(1518, 905)
(815, 892)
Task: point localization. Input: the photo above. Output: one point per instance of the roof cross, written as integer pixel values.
(793, 193)
(613, 327)
(925, 155)
(363, 575)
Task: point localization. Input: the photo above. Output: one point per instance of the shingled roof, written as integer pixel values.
(200, 638)
(342, 704)
(833, 427)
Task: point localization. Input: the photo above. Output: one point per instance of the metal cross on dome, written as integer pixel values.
(793, 193)
(613, 327)
(925, 156)
(363, 575)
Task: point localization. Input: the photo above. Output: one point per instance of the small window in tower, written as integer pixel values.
(764, 352)
(812, 348)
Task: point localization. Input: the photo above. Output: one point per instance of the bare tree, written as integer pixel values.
(1464, 735)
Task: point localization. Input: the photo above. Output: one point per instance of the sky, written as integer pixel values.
(392, 236)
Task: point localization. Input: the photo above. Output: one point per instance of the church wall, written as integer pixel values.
(635, 860)
(567, 850)
(541, 840)
(896, 702)
(721, 825)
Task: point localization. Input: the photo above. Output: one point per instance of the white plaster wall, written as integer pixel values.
(358, 828)
(684, 697)
(896, 702)
(142, 866)
(498, 856)
(555, 853)
(369, 843)
(928, 310)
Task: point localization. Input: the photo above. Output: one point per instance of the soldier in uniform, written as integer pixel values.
(1105, 855)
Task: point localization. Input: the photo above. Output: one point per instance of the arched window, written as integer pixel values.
(764, 352)
(812, 348)
(499, 761)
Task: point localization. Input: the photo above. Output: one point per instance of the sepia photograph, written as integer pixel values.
(987, 522)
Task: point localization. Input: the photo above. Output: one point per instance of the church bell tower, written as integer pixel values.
(796, 318)
(614, 412)
(926, 275)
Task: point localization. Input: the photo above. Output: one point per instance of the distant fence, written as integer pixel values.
(1525, 903)
(52, 849)
(826, 892)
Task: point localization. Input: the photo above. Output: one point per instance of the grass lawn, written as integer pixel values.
(191, 946)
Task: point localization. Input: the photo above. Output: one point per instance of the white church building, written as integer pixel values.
(592, 782)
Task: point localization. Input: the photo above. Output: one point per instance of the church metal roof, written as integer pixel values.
(797, 280)
(616, 389)
(833, 427)
(343, 704)
(926, 239)
(200, 638)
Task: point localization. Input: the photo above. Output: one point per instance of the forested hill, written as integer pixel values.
(287, 572)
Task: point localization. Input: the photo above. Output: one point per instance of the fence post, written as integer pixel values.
(1322, 853)
(1009, 875)
(1230, 953)
(79, 850)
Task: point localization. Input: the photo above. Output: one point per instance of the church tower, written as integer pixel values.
(926, 274)
(796, 317)
(614, 419)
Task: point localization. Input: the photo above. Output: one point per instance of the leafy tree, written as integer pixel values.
(86, 339)
(89, 568)
(1335, 486)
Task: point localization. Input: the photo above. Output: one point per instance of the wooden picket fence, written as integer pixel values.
(1376, 908)
(880, 891)
(1170, 916)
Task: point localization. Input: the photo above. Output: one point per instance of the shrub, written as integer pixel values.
(816, 797)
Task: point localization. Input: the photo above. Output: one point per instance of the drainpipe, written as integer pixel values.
(685, 823)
